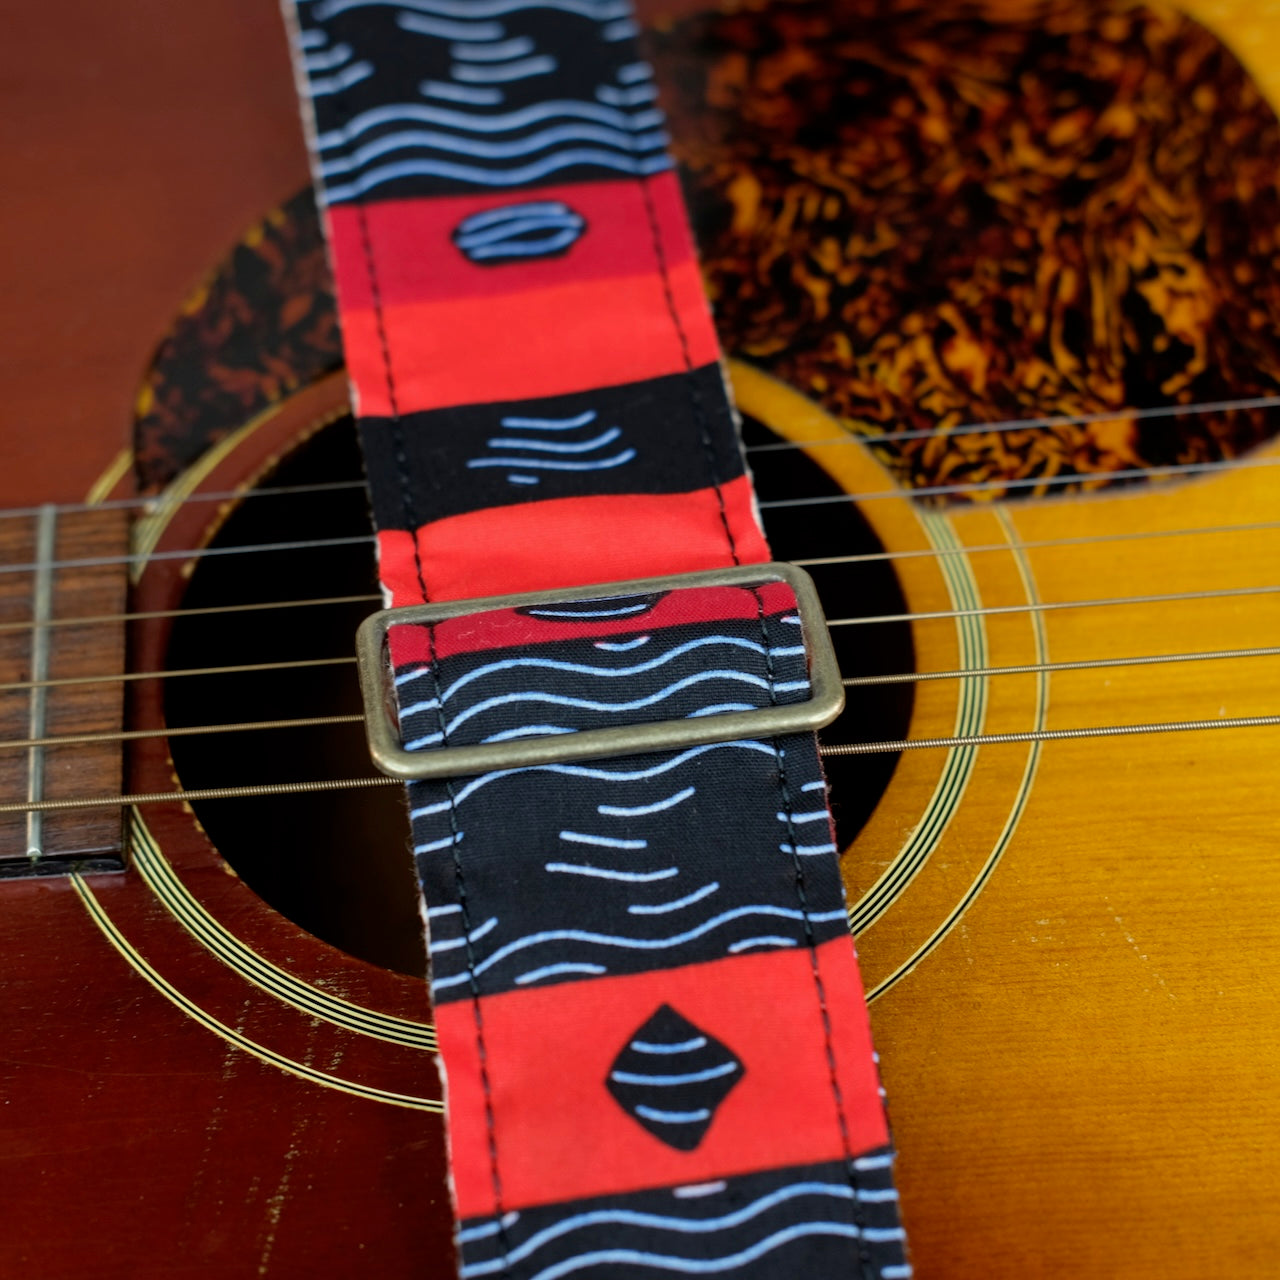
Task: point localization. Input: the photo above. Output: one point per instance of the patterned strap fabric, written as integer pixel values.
(656, 1050)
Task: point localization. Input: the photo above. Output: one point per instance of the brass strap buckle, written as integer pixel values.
(825, 702)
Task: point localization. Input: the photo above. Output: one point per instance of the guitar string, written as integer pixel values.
(180, 731)
(17, 686)
(1049, 606)
(1096, 478)
(1039, 606)
(901, 677)
(1192, 468)
(1143, 535)
(155, 502)
(147, 615)
(843, 749)
(238, 668)
(805, 562)
(1023, 424)
(191, 553)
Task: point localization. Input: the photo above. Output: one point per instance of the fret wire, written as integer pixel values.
(1191, 468)
(1026, 424)
(153, 502)
(842, 749)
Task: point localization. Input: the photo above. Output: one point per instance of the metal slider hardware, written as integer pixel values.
(826, 699)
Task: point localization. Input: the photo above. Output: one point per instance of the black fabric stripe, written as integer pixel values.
(654, 427)
(736, 846)
(819, 1220)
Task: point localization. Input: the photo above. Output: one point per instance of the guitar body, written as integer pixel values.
(218, 1062)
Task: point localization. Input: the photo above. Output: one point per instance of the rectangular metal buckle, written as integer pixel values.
(383, 730)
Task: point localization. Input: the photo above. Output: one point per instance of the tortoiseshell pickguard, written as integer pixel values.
(927, 216)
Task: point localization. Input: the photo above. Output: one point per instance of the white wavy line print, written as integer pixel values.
(548, 424)
(555, 970)
(588, 156)
(673, 1117)
(528, 209)
(604, 873)
(507, 122)
(598, 10)
(639, 944)
(640, 810)
(460, 93)
(605, 842)
(619, 612)
(549, 464)
(684, 1046)
(503, 73)
(529, 731)
(621, 646)
(452, 944)
(521, 235)
(434, 140)
(530, 248)
(323, 86)
(590, 704)
(489, 51)
(557, 446)
(663, 908)
(626, 97)
(586, 669)
(329, 59)
(764, 940)
(693, 1266)
(588, 771)
(672, 1081)
(421, 25)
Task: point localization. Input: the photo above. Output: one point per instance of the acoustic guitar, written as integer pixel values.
(998, 281)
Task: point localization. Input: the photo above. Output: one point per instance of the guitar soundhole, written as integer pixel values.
(337, 863)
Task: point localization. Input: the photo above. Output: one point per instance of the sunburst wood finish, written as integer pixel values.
(1072, 949)
(1094, 1020)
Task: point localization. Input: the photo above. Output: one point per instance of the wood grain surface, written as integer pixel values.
(76, 589)
(1072, 951)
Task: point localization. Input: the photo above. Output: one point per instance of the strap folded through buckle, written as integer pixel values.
(825, 702)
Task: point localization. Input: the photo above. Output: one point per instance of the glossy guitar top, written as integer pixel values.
(1069, 942)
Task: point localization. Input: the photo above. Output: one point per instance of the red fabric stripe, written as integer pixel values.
(418, 261)
(455, 333)
(505, 628)
(559, 1134)
(571, 542)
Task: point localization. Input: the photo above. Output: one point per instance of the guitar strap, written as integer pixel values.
(655, 1046)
